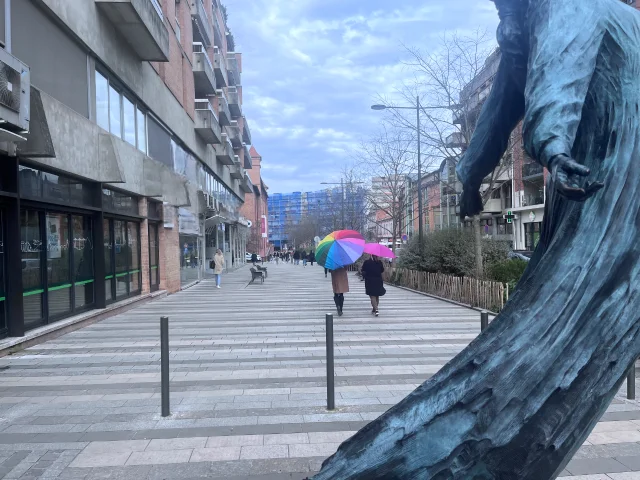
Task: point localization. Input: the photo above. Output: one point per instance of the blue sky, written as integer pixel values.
(312, 69)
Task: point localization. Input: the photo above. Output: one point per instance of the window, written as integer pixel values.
(3, 321)
(83, 276)
(51, 187)
(141, 122)
(58, 264)
(128, 121)
(102, 101)
(123, 263)
(117, 112)
(119, 202)
(115, 120)
(32, 282)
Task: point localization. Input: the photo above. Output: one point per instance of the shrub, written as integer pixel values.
(507, 271)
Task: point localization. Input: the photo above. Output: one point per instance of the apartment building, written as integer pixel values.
(132, 169)
(256, 209)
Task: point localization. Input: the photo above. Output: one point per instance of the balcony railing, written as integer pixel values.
(158, 7)
(234, 69)
(207, 124)
(234, 102)
(204, 79)
(233, 130)
(246, 133)
(202, 26)
(531, 199)
(248, 162)
(224, 151)
(144, 30)
(223, 108)
(220, 68)
(532, 170)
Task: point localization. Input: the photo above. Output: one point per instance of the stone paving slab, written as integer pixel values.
(248, 385)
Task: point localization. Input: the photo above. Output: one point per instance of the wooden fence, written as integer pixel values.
(470, 291)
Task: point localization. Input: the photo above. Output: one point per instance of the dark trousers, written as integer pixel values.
(338, 298)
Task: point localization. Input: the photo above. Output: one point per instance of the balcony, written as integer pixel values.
(202, 31)
(534, 198)
(203, 77)
(141, 24)
(220, 68)
(224, 151)
(532, 170)
(233, 66)
(245, 185)
(223, 109)
(237, 172)
(233, 130)
(455, 140)
(217, 31)
(248, 162)
(493, 205)
(234, 102)
(207, 125)
(246, 133)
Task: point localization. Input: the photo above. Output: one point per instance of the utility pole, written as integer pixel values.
(419, 178)
(342, 203)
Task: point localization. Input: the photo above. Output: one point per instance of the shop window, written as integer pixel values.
(117, 202)
(121, 251)
(3, 303)
(133, 238)
(154, 257)
(108, 260)
(39, 185)
(123, 265)
(83, 274)
(58, 264)
(32, 282)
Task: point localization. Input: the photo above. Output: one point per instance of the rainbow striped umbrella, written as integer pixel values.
(339, 249)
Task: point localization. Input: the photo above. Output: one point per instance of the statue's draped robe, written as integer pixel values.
(522, 398)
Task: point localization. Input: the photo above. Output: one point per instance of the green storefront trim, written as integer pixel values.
(2, 299)
(155, 267)
(84, 282)
(134, 271)
(32, 292)
(59, 287)
(118, 275)
(108, 277)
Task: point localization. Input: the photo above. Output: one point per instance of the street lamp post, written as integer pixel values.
(417, 109)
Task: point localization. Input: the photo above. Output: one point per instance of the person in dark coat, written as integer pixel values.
(312, 257)
(340, 284)
(254, 258)
(296, 257)
(374, 286)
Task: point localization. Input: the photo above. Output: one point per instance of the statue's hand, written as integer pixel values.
(565, 173)
(470, 202)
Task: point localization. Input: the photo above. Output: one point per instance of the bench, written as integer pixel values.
(256, 274)
(262, 269)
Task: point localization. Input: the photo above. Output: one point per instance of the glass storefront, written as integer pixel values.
(122, 259)
(57, 265)
(154, 257)
(532, 235)
(189, 259)
(3, 303)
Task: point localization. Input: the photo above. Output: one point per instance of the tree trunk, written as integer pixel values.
(478, 244)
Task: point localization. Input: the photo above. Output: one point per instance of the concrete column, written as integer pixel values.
(169, 257)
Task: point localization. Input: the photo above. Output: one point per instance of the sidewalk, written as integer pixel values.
(248, 384)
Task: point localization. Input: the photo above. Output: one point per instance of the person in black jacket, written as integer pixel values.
(374, 286)
(312, 257)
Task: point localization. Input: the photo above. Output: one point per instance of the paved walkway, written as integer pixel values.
(248, 385)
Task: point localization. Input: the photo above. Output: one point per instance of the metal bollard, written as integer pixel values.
(164, 365)
(631, 382)
(331, 395)
(484, 321)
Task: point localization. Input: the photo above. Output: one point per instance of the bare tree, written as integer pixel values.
(452, 83)
(390, 160)
(303, 233)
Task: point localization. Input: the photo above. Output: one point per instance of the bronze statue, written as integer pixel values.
(522, 398)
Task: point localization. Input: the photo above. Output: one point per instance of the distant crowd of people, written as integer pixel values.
(294, 257)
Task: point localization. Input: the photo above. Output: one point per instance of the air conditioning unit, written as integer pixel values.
(15, 89)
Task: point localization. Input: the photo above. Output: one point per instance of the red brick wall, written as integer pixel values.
(170, 256)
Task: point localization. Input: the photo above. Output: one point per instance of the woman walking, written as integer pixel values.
(312, 257)
(374, 286)
(218, 261)
(340, 284)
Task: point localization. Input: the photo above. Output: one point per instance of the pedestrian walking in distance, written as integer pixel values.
(340, 284)
(218, 263)
(372, 270)
(312, 257)
(254, 259)
(296, 258)
(304, 257)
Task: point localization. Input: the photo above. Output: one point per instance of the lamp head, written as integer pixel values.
(378, 107)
